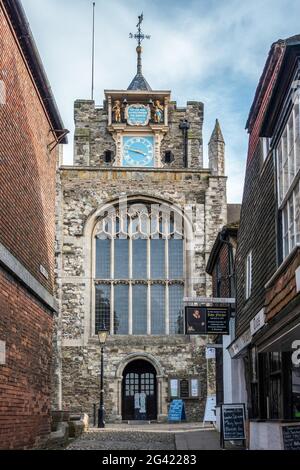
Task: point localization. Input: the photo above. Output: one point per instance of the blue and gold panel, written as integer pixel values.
(138, 151)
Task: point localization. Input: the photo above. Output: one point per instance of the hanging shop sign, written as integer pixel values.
(207, 320)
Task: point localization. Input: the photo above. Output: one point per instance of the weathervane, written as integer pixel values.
(139, 36)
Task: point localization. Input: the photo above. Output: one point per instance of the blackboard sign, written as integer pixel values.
(233, 422)
(177, 411)
(217, 320)
(207, 320)
(291, 437)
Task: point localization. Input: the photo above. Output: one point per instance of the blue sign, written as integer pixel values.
(138, 115)
(177, 411)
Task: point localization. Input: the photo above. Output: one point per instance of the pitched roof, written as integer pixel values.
(27, 43)
(139, 83)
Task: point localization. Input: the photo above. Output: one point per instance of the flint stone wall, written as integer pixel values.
(83, 191)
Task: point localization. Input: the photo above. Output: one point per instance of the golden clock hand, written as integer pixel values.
(137, 151)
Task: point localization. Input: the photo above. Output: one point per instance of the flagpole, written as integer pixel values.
(93, 51)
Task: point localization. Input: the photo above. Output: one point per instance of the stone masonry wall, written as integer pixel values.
(92, 138)
(81, 371)
(83, 191)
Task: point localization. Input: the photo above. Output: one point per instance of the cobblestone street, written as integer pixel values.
(151, 437)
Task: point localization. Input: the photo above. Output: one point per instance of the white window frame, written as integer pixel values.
(248, 276)
(288, 177)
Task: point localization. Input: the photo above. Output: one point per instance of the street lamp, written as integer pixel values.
(185, 126)
(102, 335)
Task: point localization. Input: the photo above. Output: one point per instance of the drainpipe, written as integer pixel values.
(185, 126)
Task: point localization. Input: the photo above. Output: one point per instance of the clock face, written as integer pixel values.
(138, 151)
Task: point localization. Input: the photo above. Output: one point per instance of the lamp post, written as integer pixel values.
(102, 335)
(185, 126)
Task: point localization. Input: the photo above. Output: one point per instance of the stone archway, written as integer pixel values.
(161, 401)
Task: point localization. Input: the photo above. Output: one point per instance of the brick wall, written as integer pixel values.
(27, 230)
(27, 169)
(26, 327)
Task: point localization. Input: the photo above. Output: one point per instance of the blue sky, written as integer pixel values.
(210, 51)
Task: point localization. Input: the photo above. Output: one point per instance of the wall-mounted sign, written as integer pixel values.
(194, 388)
(258, 321)
(207, 320)
(137, 115)
(174, 389)
(240, 343)
(210, 353)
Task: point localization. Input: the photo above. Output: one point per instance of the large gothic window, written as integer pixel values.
(139, 271)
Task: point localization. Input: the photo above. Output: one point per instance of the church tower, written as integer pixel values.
(137, 216)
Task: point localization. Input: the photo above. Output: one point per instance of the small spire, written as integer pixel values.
(139, 82)
(217, 135)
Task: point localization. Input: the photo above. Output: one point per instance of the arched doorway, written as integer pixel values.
(139, 391)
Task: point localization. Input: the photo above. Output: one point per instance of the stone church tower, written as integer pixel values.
(137, 215)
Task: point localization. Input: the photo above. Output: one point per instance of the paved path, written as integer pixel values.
(184, 436)
(197, 440)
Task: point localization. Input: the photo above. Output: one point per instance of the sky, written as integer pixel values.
(202, 50)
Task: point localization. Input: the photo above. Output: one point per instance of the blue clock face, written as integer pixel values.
(138, 151)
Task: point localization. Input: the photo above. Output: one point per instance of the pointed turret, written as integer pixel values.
(139, 82)
(216, 151)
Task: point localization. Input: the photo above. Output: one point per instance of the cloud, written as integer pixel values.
(207, 50)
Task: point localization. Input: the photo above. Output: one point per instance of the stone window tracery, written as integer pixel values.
(139, 270)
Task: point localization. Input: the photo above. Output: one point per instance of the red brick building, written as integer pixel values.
(30, 131)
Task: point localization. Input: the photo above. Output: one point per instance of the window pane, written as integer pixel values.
(102, 307)
(285, 163)
(139, 259)
(291, 149)
(158, 310)
(297, 213)
(285, 229)
(175, 259)
(176, 293)
(291, 223)
(158, 259)
(121, 258)
(139, 310)
(103, 259)
(297, 140)
(121, 310)
(280, 174)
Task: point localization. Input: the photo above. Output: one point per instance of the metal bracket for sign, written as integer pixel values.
(208, 300)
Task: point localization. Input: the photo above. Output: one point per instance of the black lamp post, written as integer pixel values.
(102, 335)
(185, 126)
